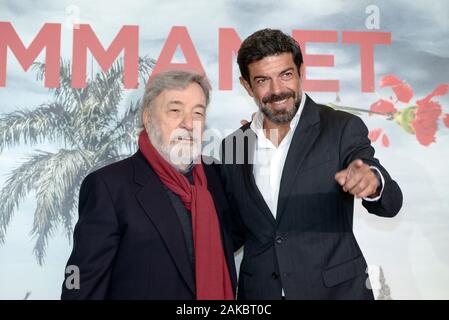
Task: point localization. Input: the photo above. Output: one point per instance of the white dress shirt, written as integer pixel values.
(269, 160)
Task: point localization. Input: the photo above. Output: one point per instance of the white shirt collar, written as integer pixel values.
(257, 126)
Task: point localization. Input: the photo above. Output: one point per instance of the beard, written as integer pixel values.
(183, 149)
(280, 116)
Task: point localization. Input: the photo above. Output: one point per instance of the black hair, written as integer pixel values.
(264, 43)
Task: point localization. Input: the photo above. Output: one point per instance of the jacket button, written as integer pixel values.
(275, 275)
(278, 239)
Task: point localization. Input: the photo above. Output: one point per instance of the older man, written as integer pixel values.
(153, 226)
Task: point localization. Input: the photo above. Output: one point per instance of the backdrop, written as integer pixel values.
(71, 76)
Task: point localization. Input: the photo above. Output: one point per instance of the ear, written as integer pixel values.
(247, 86)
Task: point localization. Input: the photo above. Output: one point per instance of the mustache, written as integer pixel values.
(180, 134)
(278, 97)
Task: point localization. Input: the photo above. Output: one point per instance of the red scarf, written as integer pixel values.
(211, 271)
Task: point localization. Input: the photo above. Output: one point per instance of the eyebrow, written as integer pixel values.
(259, 77)
(180, 103)
(264, 77)
(288, 69)
(175, 102)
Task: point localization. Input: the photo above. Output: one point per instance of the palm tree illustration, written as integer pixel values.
(91, 131)
(384, 291)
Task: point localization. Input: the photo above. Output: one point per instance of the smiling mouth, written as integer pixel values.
(184, 139)
(280, 104)
(280, 101)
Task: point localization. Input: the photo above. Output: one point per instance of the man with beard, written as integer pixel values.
(153, 226)
(291, 176)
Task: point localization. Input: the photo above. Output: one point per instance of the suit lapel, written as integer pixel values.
(157, 206)
(250, 182)
(303, 139)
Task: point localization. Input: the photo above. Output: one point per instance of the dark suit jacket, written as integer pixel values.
(129, 243)
(309, 250)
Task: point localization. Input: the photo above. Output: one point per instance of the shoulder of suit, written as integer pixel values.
(333, 117)
(209, 161)
(326, 111)
(245, 129)
(211, 165)
(114, 171)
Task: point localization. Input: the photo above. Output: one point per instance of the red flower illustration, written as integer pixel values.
(426, 120)
(419, 119)
(427, 114)
(422, 119)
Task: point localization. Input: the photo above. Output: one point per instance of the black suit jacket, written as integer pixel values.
(309, 250)
(129, 243)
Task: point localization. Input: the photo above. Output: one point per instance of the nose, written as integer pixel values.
(275, 87)
(187, 122)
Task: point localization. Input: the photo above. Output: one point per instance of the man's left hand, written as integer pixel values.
(358, 179)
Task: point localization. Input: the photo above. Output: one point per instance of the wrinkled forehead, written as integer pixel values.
(191, 96)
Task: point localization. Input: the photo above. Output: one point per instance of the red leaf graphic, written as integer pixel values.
(441, 90)
(389, 81)
(385, 141)
(383, 106)
(403, 92)
(374, 134)
(446, 120)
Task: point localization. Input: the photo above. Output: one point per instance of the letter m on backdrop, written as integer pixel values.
(49, 37)
(127, 40)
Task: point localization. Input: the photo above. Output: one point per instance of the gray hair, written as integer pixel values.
(169, 80)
